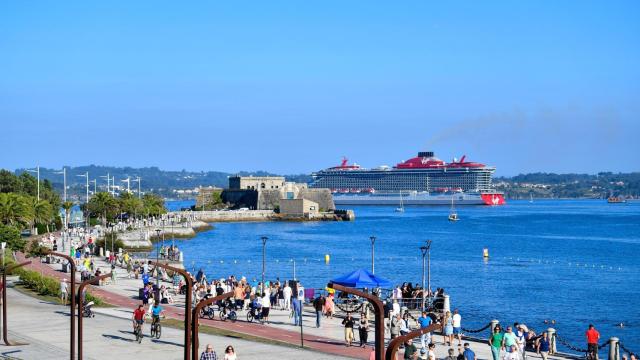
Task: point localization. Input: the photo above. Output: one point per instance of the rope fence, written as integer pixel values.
(625, 349)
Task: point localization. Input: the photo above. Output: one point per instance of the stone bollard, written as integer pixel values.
(101, 252)
(494, 323)
(614, 349)
(551, 332)
(181, 257)
(446, 306)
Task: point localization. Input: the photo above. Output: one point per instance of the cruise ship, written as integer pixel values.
(421, 180)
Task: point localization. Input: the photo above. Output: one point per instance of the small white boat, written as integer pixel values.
(453, 215)
(401, 207)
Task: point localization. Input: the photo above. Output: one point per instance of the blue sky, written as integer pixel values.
(290, 87)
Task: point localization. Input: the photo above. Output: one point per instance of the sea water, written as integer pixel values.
(573, 261)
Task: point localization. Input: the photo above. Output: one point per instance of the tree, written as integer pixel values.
(14, 209)
(153, 204)
(67, 206)
(42, 213)
(130, 204)
(11, 236)
(103, 206)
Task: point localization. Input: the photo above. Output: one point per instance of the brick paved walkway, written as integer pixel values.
(312, 342)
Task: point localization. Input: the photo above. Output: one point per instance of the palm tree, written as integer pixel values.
(14, 209)
(67, 206)
(104, 206)
(42, 213)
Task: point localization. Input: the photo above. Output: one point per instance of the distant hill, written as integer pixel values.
(550, 185)
(153, 179)
(539, 185)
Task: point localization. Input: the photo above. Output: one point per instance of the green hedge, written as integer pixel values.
(47, 286)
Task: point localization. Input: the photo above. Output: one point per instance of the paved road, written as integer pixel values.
(45, 327)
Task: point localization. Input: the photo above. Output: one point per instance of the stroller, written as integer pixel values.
(86, 310)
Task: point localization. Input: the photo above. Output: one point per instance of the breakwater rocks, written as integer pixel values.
(142, 238)
(267, 215)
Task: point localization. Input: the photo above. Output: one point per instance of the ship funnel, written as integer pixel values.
(425, 154)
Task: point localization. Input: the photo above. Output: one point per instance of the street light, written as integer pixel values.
(64, 182)
(128, 181)
(86, 175)
(158, 261)
(373, 242)
(64, 197)
(264, 246)
(37, 171)
(425, 250)
(95, 186)
(138, 180)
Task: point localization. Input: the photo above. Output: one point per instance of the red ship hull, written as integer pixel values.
(493, 199)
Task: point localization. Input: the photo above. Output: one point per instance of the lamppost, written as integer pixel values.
(86, 175)
(36, 171)
(425, 250)
(264, 246)
(108, 182)
(64, 199)
(158, 261)
(95, 185)
(137, 179)
(373, 242)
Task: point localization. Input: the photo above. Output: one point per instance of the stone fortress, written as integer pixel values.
(271, 193)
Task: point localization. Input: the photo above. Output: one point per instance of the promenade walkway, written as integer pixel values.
(327, 339)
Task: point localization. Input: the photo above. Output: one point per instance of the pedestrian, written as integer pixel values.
(410, 350)
(460, 354)
(329, 306)
(543, 345)
(520, 336)
(495, 342)
(468, 353)
(286, 292)
(451, 354)
(64, 292)
(230, 353)
(318, 305)
(593, 336)
(209, 354)
(297, 313)
(447, 333)
(509, 340)
(457, 326)
(266, 302)
(424, 321)
(363, 329)
(431, 354)
(396, 324)
(348, 329)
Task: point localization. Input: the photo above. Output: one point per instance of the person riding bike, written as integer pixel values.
(138, 318)
(156, 312)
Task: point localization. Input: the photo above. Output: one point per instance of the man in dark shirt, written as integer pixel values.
(318, 304)
(410, 350)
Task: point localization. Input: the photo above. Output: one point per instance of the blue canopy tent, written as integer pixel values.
(362, 278)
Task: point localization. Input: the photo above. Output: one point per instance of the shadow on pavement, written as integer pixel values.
(116, 337)
(166, 342)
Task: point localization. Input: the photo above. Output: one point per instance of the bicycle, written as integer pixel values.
(156, 327)
(255, 314)
(137, 330)
(207, 312)
(225, 314)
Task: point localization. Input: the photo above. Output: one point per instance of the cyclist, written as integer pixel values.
(156, 312)
(138, 318)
